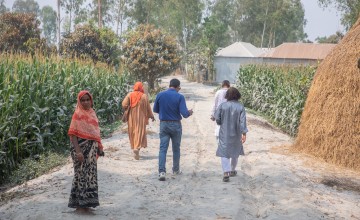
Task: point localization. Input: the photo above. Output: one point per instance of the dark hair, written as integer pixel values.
(359, 63)
(225, 83)
(232, 94)
(174, 83)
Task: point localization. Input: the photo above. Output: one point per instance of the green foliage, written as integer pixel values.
(37, 100)
(3, 8)
(332, 39)
(89, 42)
(36, 166)
(268, 23)
(106, 6)
(350, 10)
(150, 54)
(72, 9)
(16, 29)
(278, 92)
(26, 6)
(48, 18)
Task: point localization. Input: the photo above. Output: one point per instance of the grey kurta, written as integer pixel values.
(231, 117)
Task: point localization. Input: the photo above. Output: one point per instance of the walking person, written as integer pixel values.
(86, 145)
(231, 117)
(139, 114)
(170, 105)
(219, 98)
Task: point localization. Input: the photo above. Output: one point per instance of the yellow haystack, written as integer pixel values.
(330, 123)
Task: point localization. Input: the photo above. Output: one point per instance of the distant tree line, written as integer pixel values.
(99, 29)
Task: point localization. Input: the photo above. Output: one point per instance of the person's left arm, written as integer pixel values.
(183, 109)
(156, 104)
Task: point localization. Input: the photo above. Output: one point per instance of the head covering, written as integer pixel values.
(135, 96)
(84, 123)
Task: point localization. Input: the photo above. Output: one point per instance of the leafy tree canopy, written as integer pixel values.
(48, 18)
(87, 41)
(349, 8)
(150, 54)
(26, 6)
(16, 29)
(332, 39)
(3, 8)
(269, 22)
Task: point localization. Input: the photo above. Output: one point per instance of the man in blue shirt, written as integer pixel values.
(170, 105)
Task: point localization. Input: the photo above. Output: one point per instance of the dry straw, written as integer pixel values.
(330, 123)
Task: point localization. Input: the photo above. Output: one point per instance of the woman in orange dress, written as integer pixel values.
(139, 114)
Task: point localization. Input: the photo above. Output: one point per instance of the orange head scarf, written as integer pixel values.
(84, 123)
(135, 96)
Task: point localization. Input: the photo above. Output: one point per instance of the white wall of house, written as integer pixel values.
(226, 68)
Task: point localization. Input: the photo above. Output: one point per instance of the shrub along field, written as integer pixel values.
(278, 92)
(38, 98)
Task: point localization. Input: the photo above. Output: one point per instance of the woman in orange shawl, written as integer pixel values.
(85, 141)
(139, 114)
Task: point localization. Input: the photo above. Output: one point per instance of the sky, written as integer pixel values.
(320, 22)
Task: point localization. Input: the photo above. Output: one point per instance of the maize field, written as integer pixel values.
(38, 98)
(278, 92)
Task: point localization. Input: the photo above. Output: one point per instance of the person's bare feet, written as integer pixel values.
(136, 154)
(81, 210)
(85, 211)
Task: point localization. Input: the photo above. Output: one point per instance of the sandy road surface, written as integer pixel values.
(269, 185)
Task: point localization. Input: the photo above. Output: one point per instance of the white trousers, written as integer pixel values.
(229, 164)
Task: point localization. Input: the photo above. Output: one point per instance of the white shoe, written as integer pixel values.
(162, 176)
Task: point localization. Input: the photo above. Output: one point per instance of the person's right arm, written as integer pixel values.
(218, 115)
(126, 102)
(214, 106)
(78, 151)
(156, 104)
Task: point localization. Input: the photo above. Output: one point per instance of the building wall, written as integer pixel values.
(227, 67)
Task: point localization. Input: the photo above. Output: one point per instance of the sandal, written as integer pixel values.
(226, 177)
(233, 173)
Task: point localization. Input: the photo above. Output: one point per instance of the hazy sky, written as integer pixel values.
(320, 22)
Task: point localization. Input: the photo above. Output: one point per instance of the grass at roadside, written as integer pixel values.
(41, 164)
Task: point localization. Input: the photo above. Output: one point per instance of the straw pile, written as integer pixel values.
(330, 123)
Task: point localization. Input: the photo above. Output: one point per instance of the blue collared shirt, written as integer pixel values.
(170, 105)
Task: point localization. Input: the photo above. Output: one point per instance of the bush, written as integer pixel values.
(89, 42)
(150, 54)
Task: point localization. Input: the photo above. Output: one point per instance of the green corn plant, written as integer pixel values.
(279, 92)
(38, 98)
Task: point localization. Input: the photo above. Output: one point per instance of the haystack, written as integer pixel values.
(330, 123)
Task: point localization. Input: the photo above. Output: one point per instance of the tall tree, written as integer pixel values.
(3, 8)
(105, 15)
(273, 22)
(48, 18)
(26, 6)
(72, 9)
(349, 8)
(120, 10)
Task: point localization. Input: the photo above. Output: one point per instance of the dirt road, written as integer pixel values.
(271, 183)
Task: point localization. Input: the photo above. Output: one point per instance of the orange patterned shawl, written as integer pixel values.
(84, 123)
(136, 95)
